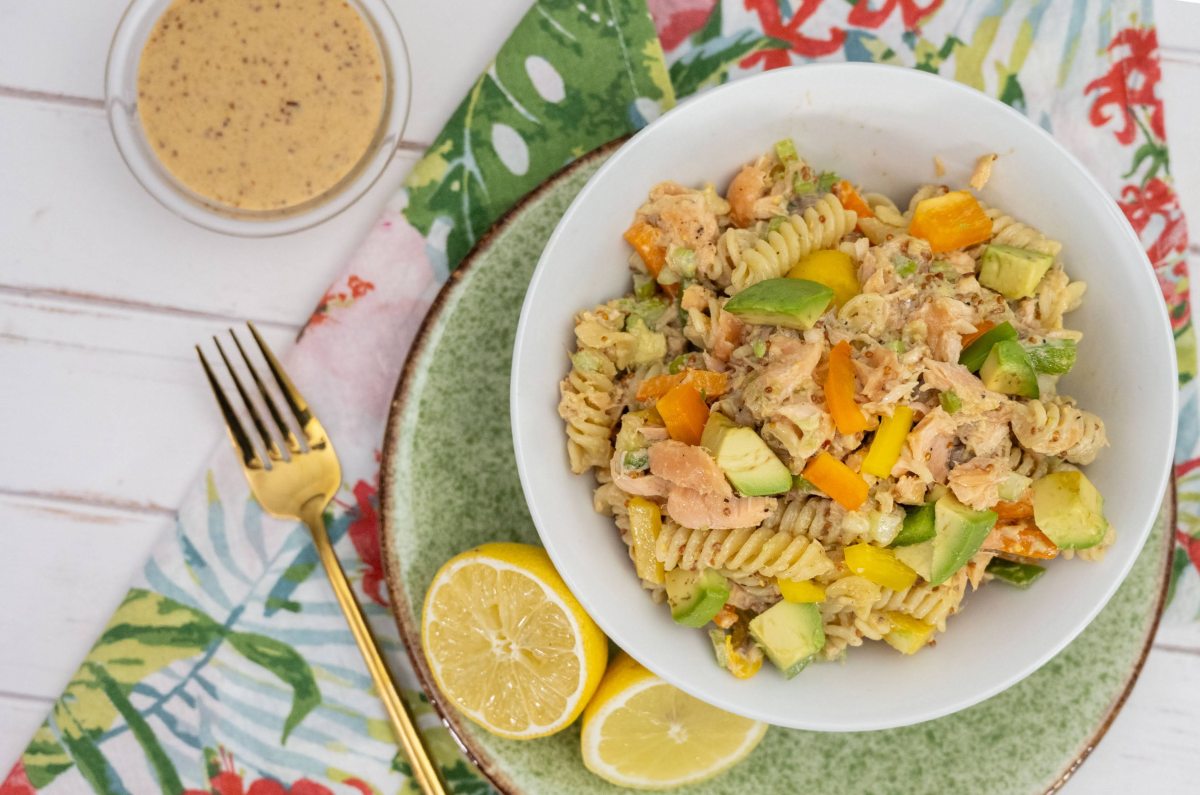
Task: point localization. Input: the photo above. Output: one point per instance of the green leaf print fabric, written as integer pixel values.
(228, 668)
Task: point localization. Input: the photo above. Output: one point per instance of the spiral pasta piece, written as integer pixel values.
(932, 604)
(820, 519)
(761, 551)
(1008, 231)
(846, 629)
(768, 255)
(590, 407)
(1030, 464)
(1056, 427)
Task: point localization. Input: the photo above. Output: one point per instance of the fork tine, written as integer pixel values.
(236, 432)
(268, 442)
(312, 429)
(284, 428)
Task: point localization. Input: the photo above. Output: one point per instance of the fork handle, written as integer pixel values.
(402, 723)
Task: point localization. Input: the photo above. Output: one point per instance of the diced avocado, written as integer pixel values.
(791, 303)
(695, 597)
(648, 346)
(959, 532)
(791, 634)
(751, 466)
(974, 355)
(1007, 370)
(1020, 575)
(918, 557)
(1053, 357)
(1013, 272)
(918, 526)
(908, 635)
(1069, 510)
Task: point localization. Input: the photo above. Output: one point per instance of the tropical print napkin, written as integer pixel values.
(228, 668)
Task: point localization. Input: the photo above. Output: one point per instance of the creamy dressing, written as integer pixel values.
(260, 104)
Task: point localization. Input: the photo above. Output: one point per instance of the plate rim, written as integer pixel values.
(400, 608)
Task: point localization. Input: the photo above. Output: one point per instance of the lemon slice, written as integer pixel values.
(508, 643)
(643, 733)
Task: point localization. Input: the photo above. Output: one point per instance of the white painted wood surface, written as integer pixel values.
(102, 293)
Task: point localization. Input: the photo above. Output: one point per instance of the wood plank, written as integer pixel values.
(75, 221)
(63, 572)
(19, 719)
(446, 55)
(1151, 746)
(113, 404)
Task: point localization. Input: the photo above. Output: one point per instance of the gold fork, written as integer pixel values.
(299, 486)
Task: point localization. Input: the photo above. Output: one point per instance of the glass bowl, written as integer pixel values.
(120, 88)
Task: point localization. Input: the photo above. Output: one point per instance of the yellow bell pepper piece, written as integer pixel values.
(834, 269)
(840, 387)
(880, 566)
(845, 486)
(908, 635)
(888, 442)
(801, 591)
(645, 523)
(684, 412)
(951, 221)
(741, 666)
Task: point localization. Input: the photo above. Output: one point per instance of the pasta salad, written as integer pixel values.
(820, 418)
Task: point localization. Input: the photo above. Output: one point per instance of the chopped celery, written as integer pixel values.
(896, 345)
(587, 360)
(1053, 357)
(950, 401)
(826, 180)
(803, 187)
(644, 287)
(677, 364)
(776, 222)
(1021, 575)
(637, 460)
(682, 260)
(785, 150)
(759, 347)
(907, 267)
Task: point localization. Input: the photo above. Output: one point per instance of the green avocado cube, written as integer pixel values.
(918, 526)
(791, 303)
(791, 634)
(918, 557)
(974, 355)
(695, 597)
(1013, 272)
(751, 466)
(959, 533)
(1007, 370)
(1069, 510)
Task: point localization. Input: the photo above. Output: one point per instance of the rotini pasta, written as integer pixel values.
(801, 447)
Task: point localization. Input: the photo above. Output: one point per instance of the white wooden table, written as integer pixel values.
(105, 420)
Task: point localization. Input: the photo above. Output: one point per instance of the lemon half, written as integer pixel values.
(641, 732)
(508, 643)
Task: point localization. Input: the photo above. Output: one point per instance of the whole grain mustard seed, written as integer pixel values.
(263, 105)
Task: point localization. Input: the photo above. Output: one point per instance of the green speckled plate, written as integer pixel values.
(450, 483)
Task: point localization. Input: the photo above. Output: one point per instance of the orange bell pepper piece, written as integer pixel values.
(684, 412)
(951, 221)
(851, 200)
(1028, 542)
(708, 382)
(1011, 511)
(644, 239)
(839, 391)
(839, 481)
(983, 328)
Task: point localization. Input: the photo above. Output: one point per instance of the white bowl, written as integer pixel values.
(881, 127)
